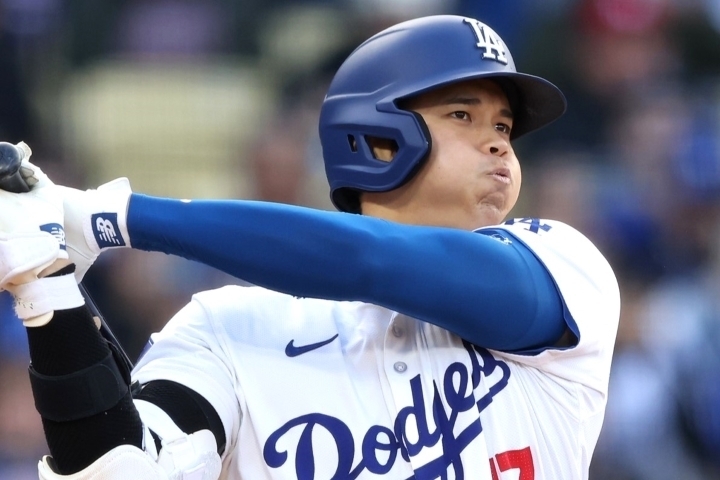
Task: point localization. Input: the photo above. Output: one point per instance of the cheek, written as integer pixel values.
(452, 158)
(440, 168)
(453, 177)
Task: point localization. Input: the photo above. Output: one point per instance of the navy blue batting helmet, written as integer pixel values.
(398, 63)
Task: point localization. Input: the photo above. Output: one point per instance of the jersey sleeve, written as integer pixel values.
(188, 351)
(590, 296)
(491, 294)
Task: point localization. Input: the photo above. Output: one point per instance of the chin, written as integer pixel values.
(487, 216)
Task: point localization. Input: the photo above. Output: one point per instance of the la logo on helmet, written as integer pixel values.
(488, 40)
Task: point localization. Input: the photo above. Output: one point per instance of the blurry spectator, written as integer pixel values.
(642, 194)
(600, 54)
(557, 178)
(696, 32)
(278, 166)
(281, 164)
(171, 28)
(697, 160)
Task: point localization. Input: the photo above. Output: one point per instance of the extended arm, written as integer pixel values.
(492, 293)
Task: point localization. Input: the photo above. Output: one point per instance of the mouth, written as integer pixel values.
(501, 175)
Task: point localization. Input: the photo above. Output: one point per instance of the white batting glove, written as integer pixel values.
(23, 255)
(95, 220)
(32, 244)
(31, 213)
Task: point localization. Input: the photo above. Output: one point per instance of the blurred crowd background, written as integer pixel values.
(220, 98)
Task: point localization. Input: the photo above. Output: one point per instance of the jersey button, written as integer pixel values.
(400, 367)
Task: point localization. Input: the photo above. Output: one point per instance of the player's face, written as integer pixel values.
(472, 176)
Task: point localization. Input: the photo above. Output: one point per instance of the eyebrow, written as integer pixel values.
(463, 100)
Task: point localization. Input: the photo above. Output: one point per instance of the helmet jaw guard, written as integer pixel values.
(403, 61)
(359, 169)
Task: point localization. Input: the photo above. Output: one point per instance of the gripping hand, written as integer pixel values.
(95, 220)
(32, 245)
(35, 219)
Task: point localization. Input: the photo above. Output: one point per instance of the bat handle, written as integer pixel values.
(10, 161)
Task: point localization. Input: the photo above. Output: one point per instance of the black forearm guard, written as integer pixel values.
(67, 351)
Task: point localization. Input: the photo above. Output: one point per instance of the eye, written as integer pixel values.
(460, 115)
(504, 128)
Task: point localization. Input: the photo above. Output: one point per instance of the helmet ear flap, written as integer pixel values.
(346, 123)
(347, 199)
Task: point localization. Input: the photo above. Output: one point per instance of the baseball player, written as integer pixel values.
(417, 333)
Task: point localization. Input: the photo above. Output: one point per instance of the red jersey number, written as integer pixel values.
(513, 460)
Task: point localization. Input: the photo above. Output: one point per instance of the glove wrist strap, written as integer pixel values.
(45, 295)
(106, 226)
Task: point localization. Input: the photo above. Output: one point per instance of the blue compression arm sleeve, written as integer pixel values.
(492, 294)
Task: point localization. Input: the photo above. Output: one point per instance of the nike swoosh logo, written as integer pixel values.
(293, 351)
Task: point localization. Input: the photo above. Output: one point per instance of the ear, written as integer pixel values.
(383, 149)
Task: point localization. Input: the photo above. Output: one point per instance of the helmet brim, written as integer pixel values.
(535, 101)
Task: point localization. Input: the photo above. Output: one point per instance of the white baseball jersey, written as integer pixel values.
(318, 389)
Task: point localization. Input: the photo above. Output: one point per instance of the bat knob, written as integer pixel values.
(10, 161)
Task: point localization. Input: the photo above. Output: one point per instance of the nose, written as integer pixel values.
(495, 144)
